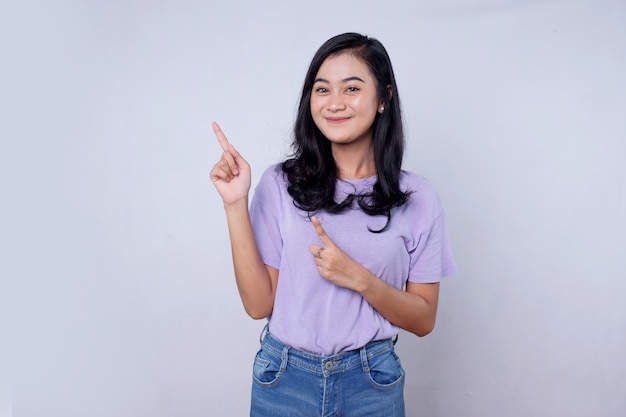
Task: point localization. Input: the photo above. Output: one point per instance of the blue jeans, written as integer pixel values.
(290, 383)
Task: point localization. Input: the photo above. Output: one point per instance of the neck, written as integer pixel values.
(354, 163)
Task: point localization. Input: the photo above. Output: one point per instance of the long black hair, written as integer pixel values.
(311, 171)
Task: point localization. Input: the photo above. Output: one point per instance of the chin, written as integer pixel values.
(340, 141)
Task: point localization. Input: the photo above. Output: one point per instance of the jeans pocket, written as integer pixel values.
(267, 369)
(385, 370)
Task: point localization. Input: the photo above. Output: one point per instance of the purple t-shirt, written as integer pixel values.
(314, 315)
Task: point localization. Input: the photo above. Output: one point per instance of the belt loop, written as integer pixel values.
(364, 363)
(265, 330)
(285, 358)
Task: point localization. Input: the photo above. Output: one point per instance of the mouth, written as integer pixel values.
(336, 120)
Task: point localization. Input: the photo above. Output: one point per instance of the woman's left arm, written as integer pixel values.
(413, 310)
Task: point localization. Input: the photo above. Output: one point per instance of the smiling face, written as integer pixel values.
(344, 100)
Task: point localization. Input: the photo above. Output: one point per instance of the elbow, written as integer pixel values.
(424, 330)
(257, 308)
(257, 316)
(258, 313)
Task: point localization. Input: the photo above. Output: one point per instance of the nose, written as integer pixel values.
(335, 102)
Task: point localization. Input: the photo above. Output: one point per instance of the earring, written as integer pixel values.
(382, 109)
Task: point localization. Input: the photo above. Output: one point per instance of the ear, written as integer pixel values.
(381, 105)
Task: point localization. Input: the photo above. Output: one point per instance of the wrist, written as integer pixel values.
(366, 284)
(242, 203)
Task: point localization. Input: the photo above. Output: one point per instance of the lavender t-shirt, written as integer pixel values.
(314, 315)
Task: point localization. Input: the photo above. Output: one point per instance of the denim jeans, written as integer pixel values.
(290, 383)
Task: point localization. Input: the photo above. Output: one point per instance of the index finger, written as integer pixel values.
(321, 232)
(221, 137)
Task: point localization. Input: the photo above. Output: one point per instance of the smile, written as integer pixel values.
(336, 120)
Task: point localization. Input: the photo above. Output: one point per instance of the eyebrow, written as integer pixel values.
(345, 80)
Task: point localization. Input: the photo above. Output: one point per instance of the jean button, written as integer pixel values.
(328, 366)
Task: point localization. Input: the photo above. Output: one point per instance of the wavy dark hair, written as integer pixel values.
(311, 171)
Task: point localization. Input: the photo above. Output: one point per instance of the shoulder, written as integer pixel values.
(415, 183)
(273, 175)
(273, 171)
(272, 181)
(423, 194)
(270, 191)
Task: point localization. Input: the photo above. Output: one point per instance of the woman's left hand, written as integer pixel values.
(334, 264)
(414, 309)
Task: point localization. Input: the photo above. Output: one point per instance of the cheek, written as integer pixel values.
(316, 105)
(365, 104)
(315, 111)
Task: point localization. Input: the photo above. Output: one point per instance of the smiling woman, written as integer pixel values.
(344, 103)
(340, 248)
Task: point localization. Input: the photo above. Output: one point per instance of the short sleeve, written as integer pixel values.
(432, 259)
(265, 211)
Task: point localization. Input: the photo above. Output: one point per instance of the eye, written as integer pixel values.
(352, 89)
(321, 90)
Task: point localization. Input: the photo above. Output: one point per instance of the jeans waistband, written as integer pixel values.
(326, 365)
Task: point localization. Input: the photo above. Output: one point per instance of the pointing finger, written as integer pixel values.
(321, 232)
(221, 137)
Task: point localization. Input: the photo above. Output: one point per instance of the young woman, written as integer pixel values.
(340, 247)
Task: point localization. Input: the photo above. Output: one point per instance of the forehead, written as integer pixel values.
(344, 65)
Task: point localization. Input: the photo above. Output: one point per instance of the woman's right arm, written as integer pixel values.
(256, 281)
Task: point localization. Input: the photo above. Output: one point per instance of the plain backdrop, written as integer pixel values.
(118, 296)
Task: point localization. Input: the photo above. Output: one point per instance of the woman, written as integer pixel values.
(340, 247)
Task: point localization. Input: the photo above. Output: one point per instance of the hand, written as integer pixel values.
(231, 175)
(334, 264)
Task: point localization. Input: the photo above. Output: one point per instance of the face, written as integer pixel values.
(344, 100)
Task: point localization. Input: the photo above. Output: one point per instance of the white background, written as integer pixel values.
(116, 271)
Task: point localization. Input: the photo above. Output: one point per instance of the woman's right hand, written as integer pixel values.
(231, 175)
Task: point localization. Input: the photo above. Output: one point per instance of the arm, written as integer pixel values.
(256, 282)
(413, 310)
